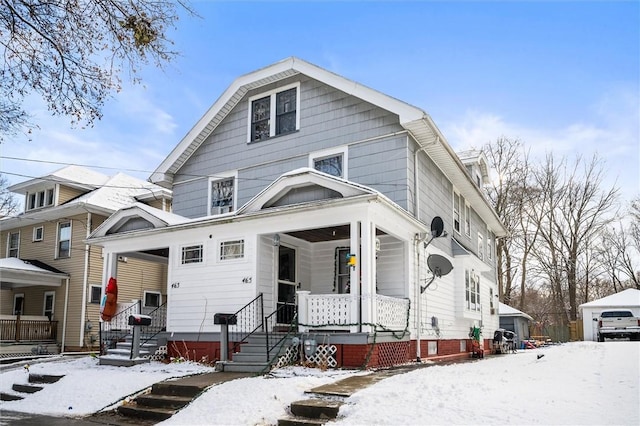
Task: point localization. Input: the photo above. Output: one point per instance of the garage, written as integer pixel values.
(626, 299)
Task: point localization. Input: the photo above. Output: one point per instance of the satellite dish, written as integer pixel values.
(437, 225)
(439, 266)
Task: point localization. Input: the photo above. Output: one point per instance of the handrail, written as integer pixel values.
(271, 321)
(248, 320)
(111, 335)
(158, 323)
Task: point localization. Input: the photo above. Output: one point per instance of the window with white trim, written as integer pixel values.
(192, 254)
(152, 299)
(330, 161)
(489, 244)
(95, 293)
(18, 304)
(274, 113)
(39, 199)
(480, 246)
(222, 195)
(49, 304)
(64, 240)
(456, 212)
(38, 233)
(13, 244)
(232, 249)
(472, 290)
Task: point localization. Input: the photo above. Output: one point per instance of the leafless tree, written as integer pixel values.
(8, 202)
(72, 52)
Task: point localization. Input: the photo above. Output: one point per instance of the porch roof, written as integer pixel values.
(16, 272)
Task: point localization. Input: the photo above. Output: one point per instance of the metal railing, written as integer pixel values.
(118, 328)
(248, 320)
(285, 314)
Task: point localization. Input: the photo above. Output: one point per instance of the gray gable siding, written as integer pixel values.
(328, 118)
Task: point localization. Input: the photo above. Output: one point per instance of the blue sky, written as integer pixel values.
(564, 77)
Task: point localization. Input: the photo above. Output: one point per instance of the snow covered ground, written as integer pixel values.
(581, 383)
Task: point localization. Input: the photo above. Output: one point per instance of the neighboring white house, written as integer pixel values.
(626, 299)
(310, 198)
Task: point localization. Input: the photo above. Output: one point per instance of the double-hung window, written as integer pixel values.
(274, 113)
(222, 195)
(456, 212)
(64, 239)
(480, 246)
(467, 220)
(472, 290)
(13, 244)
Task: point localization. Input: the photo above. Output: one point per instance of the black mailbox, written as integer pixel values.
(228, 319)
(139, 320)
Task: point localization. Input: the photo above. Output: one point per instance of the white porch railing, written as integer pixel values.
(339, 312)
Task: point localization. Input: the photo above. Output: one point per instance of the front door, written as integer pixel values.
(286, 284)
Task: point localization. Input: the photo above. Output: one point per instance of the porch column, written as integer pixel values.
(354, 278)
(367, 269)
(303, 310)
(109, 269)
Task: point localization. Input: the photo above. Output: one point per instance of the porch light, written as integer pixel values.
(276, 240)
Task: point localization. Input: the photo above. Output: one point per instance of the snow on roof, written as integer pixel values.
(508, 311)
(167, 217)
(628, 297)
(71, 175)
(119, 191)
(13, 263)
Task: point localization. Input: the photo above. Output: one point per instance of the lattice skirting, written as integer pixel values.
(324, 357)
(392, 353)
(159, 355)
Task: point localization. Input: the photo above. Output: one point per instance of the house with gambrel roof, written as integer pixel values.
(308, 202)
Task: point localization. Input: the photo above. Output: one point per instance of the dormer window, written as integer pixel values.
(39, 199)
(274, 113)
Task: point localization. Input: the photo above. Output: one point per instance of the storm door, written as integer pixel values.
(286, 284)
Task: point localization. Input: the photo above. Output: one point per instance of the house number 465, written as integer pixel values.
(175, 285)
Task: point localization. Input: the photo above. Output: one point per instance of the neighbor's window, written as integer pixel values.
(274, 113)
(489, 245)
(222, 191)
(192, 254)
(233, 249)
(152, 299)
(472, 290)
(49, 304)
(13, 244)
(64, 239)
(95, 294)
(480, 246)
(40, 199)
(38, 233)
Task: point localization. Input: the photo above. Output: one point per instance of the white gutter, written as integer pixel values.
(85, 281)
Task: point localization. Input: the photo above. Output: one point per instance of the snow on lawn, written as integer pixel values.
(86, 386)
(254, 400)
(581, 383)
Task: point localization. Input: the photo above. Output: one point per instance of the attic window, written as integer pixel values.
(39, 199)
(274, 113)
(222, 195)
(332, 162)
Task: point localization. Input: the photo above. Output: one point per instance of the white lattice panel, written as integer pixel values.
(324, 356)
(392, 312)
(291, 356)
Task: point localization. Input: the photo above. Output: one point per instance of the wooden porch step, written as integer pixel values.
(150, 413)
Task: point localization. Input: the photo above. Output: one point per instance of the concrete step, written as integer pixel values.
(300, 421)
(126, 352)
(316, 408)
(170, 389)
(243, 367)
(170, 402)
(10, 397)
(120, 361)
(43, 378)
(150, 413)
(250, 357)
(26, 388)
